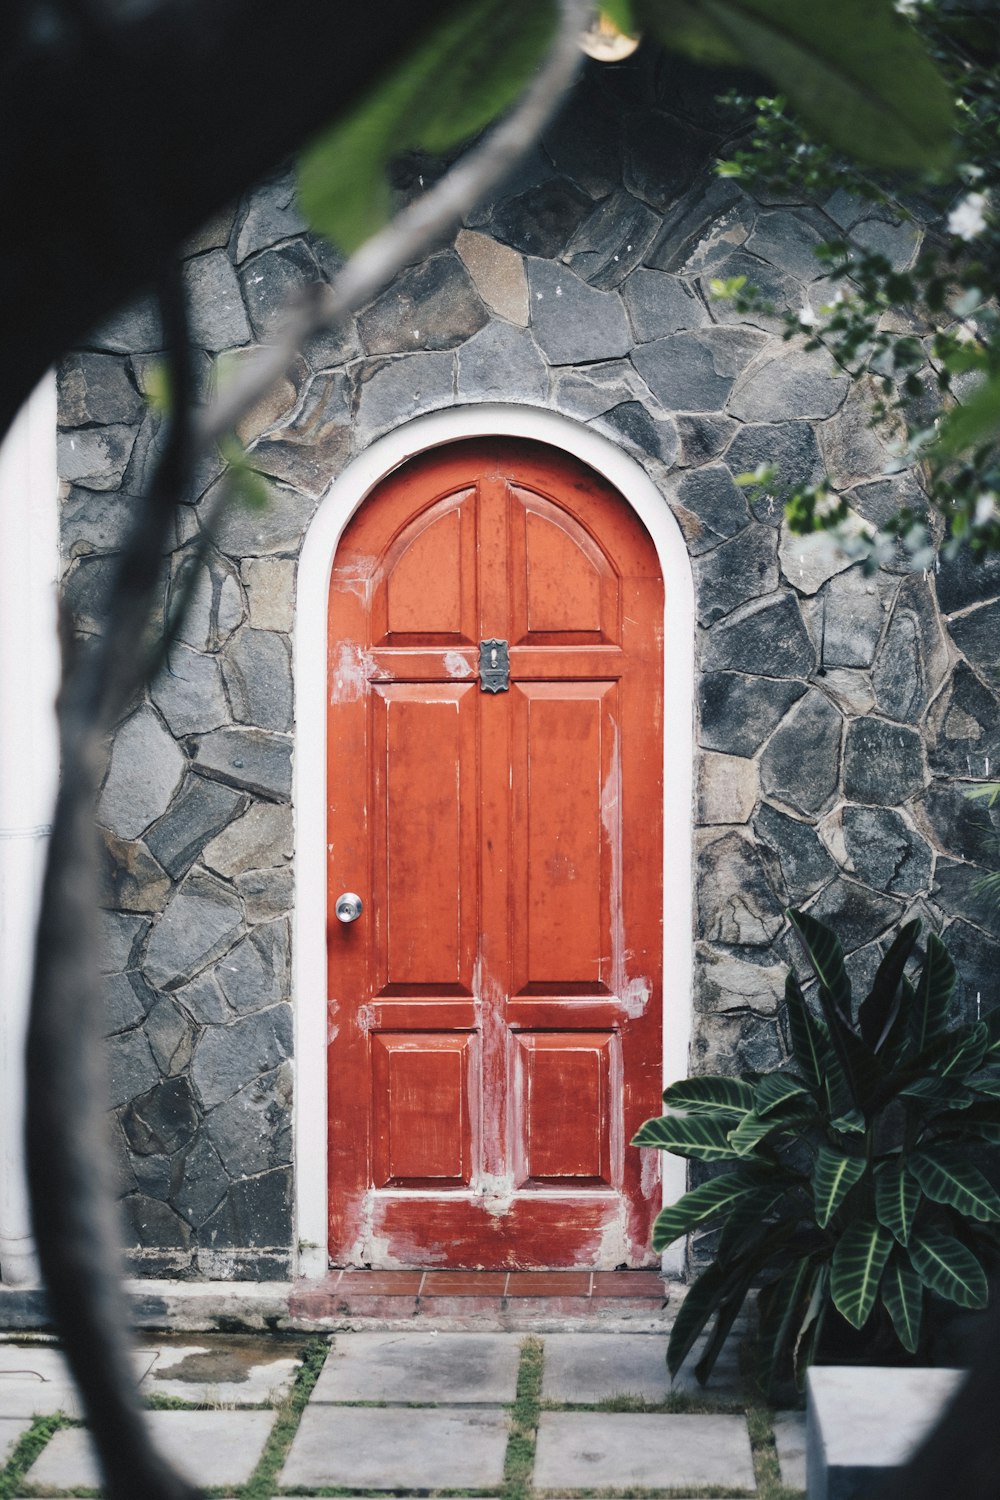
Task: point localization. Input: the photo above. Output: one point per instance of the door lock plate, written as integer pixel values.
(494, 666)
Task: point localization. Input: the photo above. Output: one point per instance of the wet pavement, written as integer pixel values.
(500, 1414)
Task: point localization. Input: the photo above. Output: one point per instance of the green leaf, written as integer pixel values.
(903, 1296)
(725, 1318)
(948, 1268)
(710, 1091)
(834, 1174)
(827, 959)
(877, 1012)
(719, 1195)
(744, 1223)
(780, 1308)
(855, 1270)
(810, 1047)
(752, 1129)
(712, 1288)
(941, 1093)
(856, 72)
(947, 1178)
(897, 1197)
(469, 68)
(776, 1089)
(699, 1137)
(934, 991)
(980, 1122)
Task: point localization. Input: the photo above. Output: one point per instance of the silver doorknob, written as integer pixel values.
(349, 907)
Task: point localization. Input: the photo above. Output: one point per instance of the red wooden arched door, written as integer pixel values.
(495, 1011)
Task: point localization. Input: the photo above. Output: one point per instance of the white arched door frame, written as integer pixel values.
(310, 771)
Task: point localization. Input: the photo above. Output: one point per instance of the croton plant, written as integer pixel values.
(853, 1177)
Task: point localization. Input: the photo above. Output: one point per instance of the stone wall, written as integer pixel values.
(840, 718)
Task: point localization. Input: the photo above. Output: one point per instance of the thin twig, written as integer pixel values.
(414, 231)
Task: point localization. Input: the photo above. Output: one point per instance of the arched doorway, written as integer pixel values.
(495, 787)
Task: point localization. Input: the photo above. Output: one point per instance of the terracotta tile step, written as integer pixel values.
(353, 1288)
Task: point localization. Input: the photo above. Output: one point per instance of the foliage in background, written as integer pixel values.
(847, 1181)
(930, 333)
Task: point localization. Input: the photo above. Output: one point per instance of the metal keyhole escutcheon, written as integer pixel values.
(349, 907)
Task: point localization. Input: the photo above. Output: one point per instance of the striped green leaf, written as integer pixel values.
(752, 1129)
(827, 958)
(809, 1047)
(713, 1287)
(934, 991)
(897, 1197)
(834, 1174)
(939, 1093)
(710, 1091)
(856, 1269)
(776, 1089)
(719, 1195)
(948, 1268)
(699, 1137)
(903, 1295)
(743, 1224)
(877, 1013)
(990, 1087)
(947, 1178)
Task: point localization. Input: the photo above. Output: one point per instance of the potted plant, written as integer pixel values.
(849, 1185)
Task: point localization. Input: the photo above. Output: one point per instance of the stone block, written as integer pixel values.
(629, 1450)
(130, 1066)
(612, 241)
(542, 220)
(711, 506)
(958, 892)
(863, 1422)
(261, 838)
(123, 1008)
(885, 850)
(201, 922)
(790, 447)
(977, 958)
(788, 240)
(270, 590)
(744, 568)
(197, 814)
(204, 1000)
(704, 227)
(663, 156)
(251, 759)
(966, 830)
(189, 693)
(94, 521)
(254, 973)
(703, 436)
(572, 322)
(171, 1036)
(593, 389)
(736, 905)
(696, 371)
(199, 1184)
(394, 390)
(272, 213)
(133, 880)
(463, 1368)
(501, 363)
(433, 305)
(278, 401)
(257, 669)
(776, 293)
(386, 1448)
(976, 635)
(807, 562)
(311, 449)
(266, 893)
(724, 983)
(850, 688)
(883, 762)
(857, 915)
(791, 384)
(227, 1058)
(966, 579)
(95, 457)
(647, 435)
(738, 1041)
(768, 633)
(162, 1120)
(271, 281)
(964, 727)
(256, 1213)
(737, 712)
(659, 304)
(498, 273)
(216, 1371)
(145, 770)
(898, 242)
(853, 450)
(207, 1447)
(728, 787)
(215, 607)
(96, 388)
(120, 937)
(804, 862)
(592, 1367)
(215, 308)
(801, 765)
(252, 1131)
(130, 329)
(852, 621)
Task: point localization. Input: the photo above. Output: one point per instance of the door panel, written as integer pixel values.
(495, 1012)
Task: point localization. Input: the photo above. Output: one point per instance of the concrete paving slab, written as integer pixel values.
(33, 1397)
(577, 1450)
(208, 1447)
(453, 1368)
(396, 1448)
(219, 1371)
(790, 1441)
(12, 1430)
(864, 1420)
(594, 1367)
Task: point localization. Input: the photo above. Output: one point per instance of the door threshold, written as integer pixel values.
(505, 1300)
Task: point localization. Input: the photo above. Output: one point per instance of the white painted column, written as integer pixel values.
(29, 675)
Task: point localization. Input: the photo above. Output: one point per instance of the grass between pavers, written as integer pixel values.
(26, 1450)
(261, 1484)
(519, 1461)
